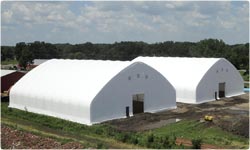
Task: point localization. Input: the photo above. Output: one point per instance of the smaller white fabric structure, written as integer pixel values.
(197, 80)
(39, 61)
(91, 91)
(6, 72)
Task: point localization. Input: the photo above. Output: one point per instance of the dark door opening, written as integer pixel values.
(215, 95)
(138, 103)
(127, 111)
(222, 89)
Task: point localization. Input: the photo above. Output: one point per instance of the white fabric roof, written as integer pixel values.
(182, 72)
(6, 72)
(39, 61)
(64, 75)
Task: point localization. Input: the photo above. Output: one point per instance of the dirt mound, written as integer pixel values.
(236, 126)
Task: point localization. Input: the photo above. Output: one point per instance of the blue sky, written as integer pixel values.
(109, 22)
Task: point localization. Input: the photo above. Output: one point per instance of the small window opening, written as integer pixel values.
(129, 78)
(146, 76)
(138, 75)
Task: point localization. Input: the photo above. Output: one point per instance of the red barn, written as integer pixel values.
(9, 78)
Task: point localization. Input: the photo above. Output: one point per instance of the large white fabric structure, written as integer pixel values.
(92, 91)
(197, 80)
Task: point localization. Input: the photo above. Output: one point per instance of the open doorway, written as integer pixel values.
(138, 103)
(222, 89)
(127, 111)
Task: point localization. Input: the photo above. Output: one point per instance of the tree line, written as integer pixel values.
(25, 53)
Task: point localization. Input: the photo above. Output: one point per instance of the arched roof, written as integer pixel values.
(78, 81)
(182, 72)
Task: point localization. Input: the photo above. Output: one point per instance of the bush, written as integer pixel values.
(133, 139)
(98, 131)
(101, 146)
(155, 145)
(10, 109)
(150, 138)
(172, 140)
(196, 143)
(181, 146)
(142, 141)
(165, 142)
(124, 137)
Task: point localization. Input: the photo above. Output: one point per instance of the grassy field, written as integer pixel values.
(196, 130)
(106, 136)
(7, 62)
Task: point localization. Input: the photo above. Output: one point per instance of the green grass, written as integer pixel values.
(90, 135)
(7, 62)
(106, 136)
(100, 134)
(196, 130)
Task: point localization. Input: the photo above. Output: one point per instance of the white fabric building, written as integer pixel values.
(198, 80)
(39, 61)
(6, 72)
(92, 91)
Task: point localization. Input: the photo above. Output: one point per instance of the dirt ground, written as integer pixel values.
(188, 143)
(231, 114)
(16, 139)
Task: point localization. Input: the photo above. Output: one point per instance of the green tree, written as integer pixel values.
(209, 48)
(79, 55)
(18, 49)
(238, 54)
(7, 53)
(26, 58)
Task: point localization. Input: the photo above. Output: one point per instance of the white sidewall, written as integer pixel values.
(41, 105)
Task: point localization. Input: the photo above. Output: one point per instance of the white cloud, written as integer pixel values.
(158, 19)
(134, 20)
(176, 4)
(6, 16)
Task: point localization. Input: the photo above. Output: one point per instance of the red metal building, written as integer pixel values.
(9, 78)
